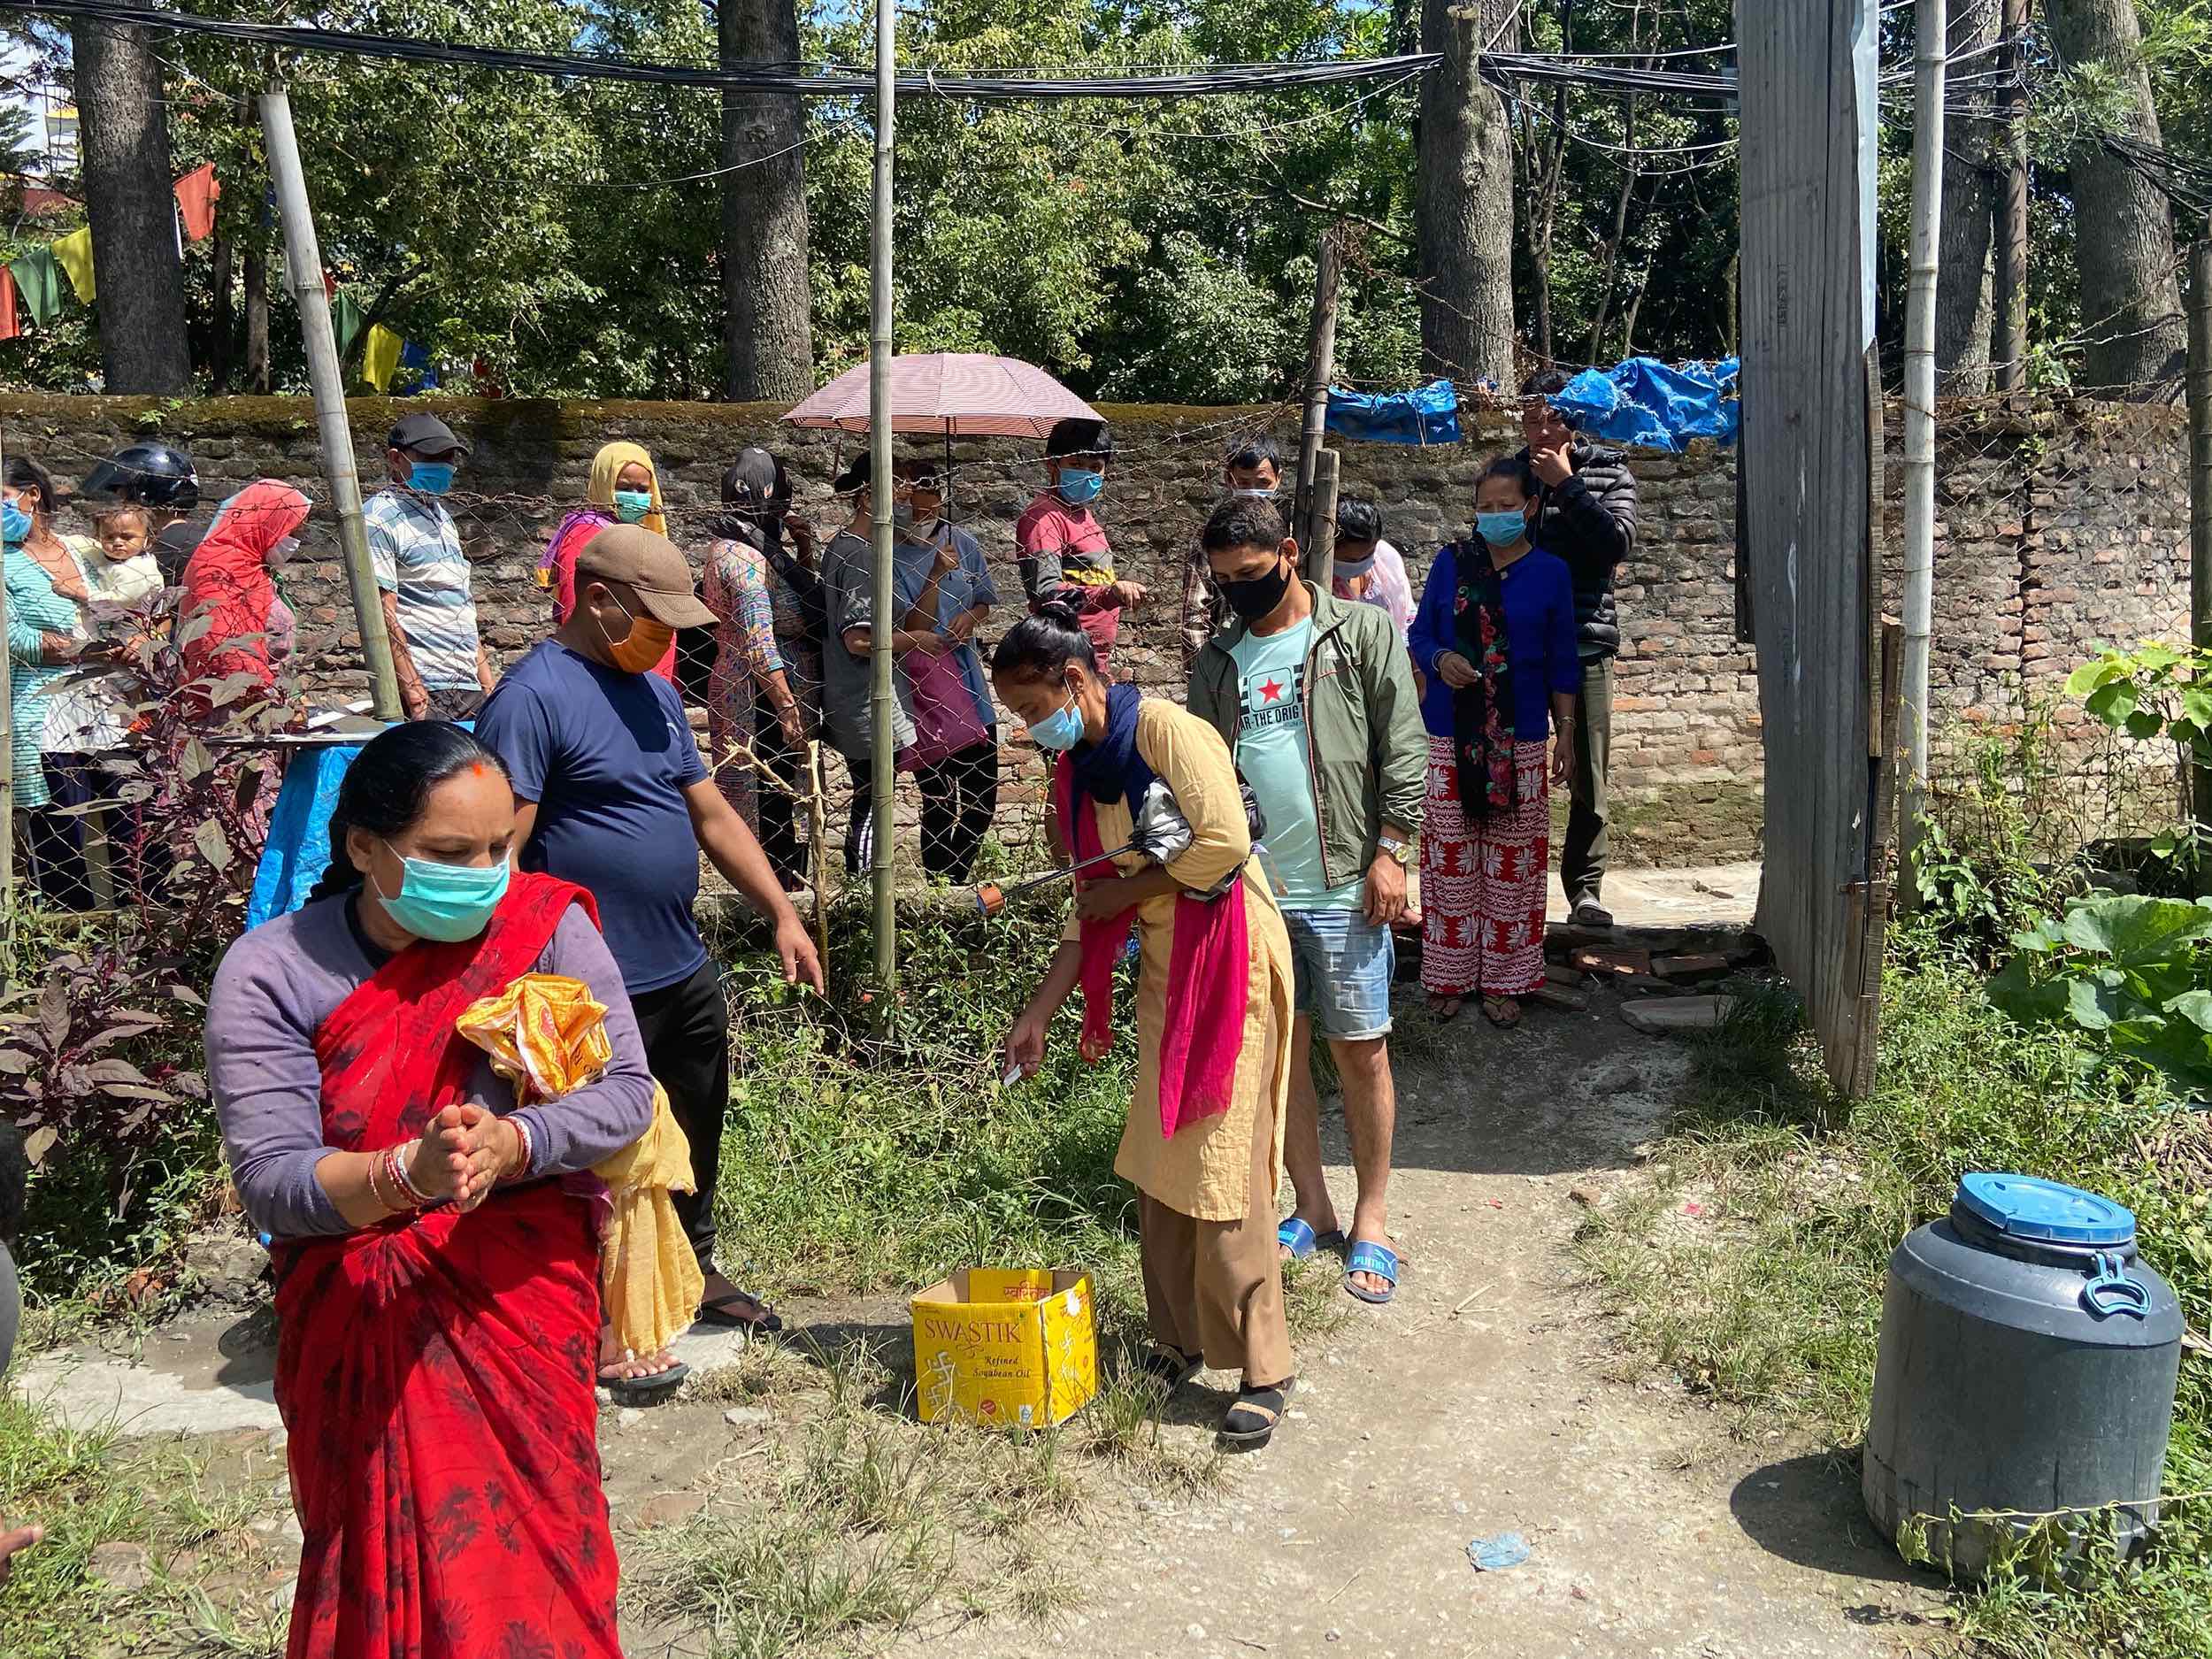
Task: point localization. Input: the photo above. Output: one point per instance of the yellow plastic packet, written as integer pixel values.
(547, 1036)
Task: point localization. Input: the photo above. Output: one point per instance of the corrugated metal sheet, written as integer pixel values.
(1811, 454)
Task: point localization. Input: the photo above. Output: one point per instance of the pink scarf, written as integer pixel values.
(1209, 981)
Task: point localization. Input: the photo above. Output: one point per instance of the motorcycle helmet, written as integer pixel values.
(151, 474)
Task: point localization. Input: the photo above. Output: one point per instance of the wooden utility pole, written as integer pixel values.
(1320, 367)
(1929, 64)
(2201, 474)
(2012, 206)
(305, 261)
(1320, 551)
(883, 765)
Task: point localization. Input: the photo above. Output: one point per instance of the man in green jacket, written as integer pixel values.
(1316, 699)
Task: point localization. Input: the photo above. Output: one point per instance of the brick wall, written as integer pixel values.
(2063, 523)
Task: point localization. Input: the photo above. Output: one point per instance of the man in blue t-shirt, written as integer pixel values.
(610, 792)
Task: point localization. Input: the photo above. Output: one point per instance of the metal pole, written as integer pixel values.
(881, 759)
(1929, 67)
(1320, 365)
(2201, 474)
(2012, 218)
(303, 260)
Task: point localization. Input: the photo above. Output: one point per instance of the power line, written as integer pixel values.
(831, 81)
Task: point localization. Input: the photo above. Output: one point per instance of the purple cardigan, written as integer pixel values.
(279, 983)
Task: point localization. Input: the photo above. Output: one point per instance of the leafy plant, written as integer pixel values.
(2154, 692)
(2129, 971)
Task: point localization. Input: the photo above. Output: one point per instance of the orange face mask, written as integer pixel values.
(640, 650)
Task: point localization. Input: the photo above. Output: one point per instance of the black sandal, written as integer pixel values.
(721, 1310)
(1251, 1422)
(1169, 1367)
(644, 1389)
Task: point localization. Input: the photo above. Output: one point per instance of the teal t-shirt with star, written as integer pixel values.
(1274, 755)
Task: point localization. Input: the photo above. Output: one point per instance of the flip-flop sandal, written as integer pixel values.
(1377, 1259)
(1296, 1235)
(1251, 1422)
(1443, 1016)
(717, 1312)
(1170, 1368)
(1502, 1011)
(653, 1385)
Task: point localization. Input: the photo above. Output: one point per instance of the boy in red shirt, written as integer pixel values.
(1062, 549)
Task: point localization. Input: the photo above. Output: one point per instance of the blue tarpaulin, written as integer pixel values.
(1427, 414)
(1645, 402)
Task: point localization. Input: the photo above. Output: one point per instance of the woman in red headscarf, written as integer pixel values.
(231, 582)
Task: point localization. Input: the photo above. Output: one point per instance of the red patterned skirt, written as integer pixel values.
(1484, 882)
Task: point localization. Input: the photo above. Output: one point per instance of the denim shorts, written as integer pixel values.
(1344, 965)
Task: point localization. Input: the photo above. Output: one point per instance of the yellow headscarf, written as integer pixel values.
(607, 466)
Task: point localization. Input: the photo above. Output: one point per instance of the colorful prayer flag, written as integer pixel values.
(74, 253)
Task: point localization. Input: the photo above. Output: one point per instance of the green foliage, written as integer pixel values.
(2131, 971)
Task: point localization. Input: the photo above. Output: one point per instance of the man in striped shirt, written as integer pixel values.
(428, 612)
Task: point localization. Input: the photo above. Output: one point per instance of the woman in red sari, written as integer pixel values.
(436, 1249)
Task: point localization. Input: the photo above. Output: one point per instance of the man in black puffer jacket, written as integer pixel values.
(1588, 519)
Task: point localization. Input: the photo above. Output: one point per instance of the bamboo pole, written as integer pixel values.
(2200, 475)
(304, 266)
(882, 761)
(1929, 66)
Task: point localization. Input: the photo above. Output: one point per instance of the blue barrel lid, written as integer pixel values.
(2026, 1208)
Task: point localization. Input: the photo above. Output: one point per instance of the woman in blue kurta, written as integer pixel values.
(1495, 638)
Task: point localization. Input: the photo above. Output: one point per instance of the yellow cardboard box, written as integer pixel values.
(1005, 1347)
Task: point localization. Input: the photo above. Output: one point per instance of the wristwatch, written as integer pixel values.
(1402, 851)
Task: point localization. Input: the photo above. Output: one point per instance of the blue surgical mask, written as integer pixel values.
(1077, 487)
(1502, 529)
(1060, 730)
(630, 505)
(433, 478)
(15, 525)
(447, 903)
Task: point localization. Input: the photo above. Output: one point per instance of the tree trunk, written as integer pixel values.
(257, 285)
(2124, 238)
(1463, 205)
(767, 299)
(222, 322)
(1966, 239)
(123, 137)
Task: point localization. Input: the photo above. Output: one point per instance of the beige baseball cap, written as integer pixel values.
(651, 565)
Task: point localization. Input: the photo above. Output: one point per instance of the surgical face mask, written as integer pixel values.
(1352, 570)
(640, 650)
(447, 903)
(1062, 729)
(433, 478)
(902, 513)
(15, 525)
(1256, 597)
(1254, 494)
(1502, 529)
(630, 505)
(1079, 485)
(281, 555)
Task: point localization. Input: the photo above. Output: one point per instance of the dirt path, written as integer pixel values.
(1416, 1430)
(1488, 1399)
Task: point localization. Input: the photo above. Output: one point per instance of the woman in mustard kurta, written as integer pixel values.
(1203, 1145)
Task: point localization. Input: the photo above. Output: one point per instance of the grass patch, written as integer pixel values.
(1769, 1301)
(90, 1490)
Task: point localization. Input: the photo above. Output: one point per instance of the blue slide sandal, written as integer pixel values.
(1298, 1237)
(1371, 1258)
